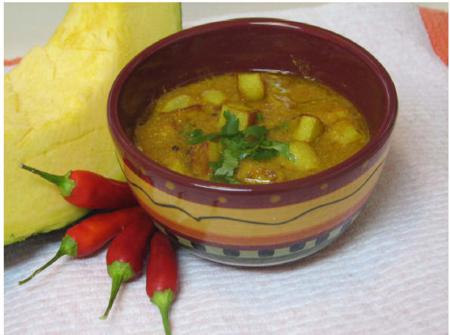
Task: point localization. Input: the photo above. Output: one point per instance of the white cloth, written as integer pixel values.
(387, 275)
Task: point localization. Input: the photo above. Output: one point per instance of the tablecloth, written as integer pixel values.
(387, 275)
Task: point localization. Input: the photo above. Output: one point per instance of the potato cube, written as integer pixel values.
(214, 151)
(179, 102)
(344, 132)
(305, 158)
(308, 129)
(252, 172)
(177, 166)
(214, 97)
(199, 159)
(241, 112)
(201, 155)
(251, 86)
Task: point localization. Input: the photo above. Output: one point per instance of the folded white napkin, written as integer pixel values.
(387, 275)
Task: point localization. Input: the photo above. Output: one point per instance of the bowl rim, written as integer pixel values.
(369, 150)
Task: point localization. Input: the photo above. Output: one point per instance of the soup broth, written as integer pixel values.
(251, 128)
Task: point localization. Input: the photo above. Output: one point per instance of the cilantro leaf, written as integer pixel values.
(257, 132)
(263, 154)
(238, 145)
(229, 162)
(281, 147)
(259, 117)
(197, 136)
(231, 126)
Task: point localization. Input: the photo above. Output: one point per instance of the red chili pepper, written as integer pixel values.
(91, 234)
(11, 62)
(89, 190)
(125, 256)
(162, 276)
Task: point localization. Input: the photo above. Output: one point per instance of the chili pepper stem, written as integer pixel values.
(68, 247)
(64, 183)
(58, 255)
(116, 283)
(119, 272)
(164, 299)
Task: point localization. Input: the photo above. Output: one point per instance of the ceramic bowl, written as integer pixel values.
(263, 224)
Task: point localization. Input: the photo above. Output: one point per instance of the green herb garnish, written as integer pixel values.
(197, 136)
(238, 145)
(259, 117)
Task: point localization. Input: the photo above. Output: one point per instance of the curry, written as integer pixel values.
(251, 128)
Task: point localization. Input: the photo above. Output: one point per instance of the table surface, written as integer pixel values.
(28, 24)
(387, 275)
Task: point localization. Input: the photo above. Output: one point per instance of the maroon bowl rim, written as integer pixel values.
(376, 143)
